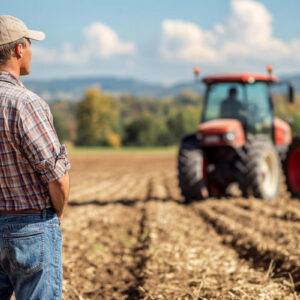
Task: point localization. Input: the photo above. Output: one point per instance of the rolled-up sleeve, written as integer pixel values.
(39, 142)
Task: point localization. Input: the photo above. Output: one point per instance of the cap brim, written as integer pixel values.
(35, 35)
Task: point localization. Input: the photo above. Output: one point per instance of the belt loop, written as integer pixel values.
(44, 213)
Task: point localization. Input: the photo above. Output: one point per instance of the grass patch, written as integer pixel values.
(128, 242)
(123, 150)
(145, 234)
(99, 248)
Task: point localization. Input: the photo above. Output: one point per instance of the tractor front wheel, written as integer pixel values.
(190, 170)
(263, 165)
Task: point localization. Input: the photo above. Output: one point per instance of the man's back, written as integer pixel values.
(25, 135)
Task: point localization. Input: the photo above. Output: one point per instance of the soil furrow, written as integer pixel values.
(187, 258)
(89, 190)
(284, 210)
(129, 190)
(88, 180)
(116, 191)
(172, 189)
(135, 291)
(98, 251)
(158, 189)
(141, 189)
(111, 191)
(261, 251)
(286, 233)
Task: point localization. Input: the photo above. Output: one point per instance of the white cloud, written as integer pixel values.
(102, 41)
(68, 55)
(249, 32)
(186, 41)
(246, 35)
(295, 48)
(99, 41)
(43, 55)
(219, 28)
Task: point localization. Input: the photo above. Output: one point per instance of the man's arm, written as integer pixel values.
(43, 150)
(59, 192)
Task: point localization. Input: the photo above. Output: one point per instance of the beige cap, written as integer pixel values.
(13, 29)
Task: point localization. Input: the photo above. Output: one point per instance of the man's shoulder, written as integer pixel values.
(33, 103)
(19, 96)
(31, 99)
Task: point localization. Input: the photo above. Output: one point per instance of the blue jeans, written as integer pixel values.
(30, 256)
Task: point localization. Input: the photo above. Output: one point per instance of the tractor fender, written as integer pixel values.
(282, 132)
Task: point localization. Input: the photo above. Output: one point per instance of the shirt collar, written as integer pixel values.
(4, 76)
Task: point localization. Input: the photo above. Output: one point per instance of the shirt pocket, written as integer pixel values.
(25, 251)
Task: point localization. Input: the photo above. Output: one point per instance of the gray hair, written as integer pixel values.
(6, 50)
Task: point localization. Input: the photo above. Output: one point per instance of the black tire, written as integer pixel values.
(292, 168)
(263, 169)
(190, 169)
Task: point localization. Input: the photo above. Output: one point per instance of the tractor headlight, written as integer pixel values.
(229, 136)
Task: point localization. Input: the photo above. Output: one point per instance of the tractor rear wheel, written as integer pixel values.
(292, 168)
(263, 165)
(190, 170)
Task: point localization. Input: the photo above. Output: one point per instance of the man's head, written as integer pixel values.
(232, 92)
(15, 44)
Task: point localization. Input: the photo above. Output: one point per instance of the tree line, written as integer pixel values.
(101, 119)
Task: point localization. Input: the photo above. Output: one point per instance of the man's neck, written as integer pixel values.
(11, 70)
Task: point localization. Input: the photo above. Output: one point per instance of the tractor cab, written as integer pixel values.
(247, 99)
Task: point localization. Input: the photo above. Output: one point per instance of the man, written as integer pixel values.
(34, 180)
(231, 107)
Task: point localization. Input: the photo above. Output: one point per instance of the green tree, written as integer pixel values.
(183, 121)
(64, 120)
(96, 113)
(187, 97)
(142, 131)
(60, 127)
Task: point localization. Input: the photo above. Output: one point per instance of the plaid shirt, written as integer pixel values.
(30, 153)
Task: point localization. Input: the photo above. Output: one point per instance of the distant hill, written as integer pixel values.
(174, 90)
(294, 79)
(72, 89)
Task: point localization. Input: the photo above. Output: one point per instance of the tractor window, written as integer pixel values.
(225, 100)
(259, 109)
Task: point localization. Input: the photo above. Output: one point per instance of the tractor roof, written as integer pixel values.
(244, 78)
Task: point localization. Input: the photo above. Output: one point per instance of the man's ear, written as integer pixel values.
(19, 50)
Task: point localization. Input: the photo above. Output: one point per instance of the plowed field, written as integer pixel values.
(128, 235)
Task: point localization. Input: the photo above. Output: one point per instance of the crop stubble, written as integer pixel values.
(128, 235)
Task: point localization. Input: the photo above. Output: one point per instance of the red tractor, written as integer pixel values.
(239, 141)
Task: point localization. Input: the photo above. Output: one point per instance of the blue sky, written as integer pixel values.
(160, 41)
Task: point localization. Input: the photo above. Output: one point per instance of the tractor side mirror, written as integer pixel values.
(291, 94)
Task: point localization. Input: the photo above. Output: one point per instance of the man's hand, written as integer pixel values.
(59, 192)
